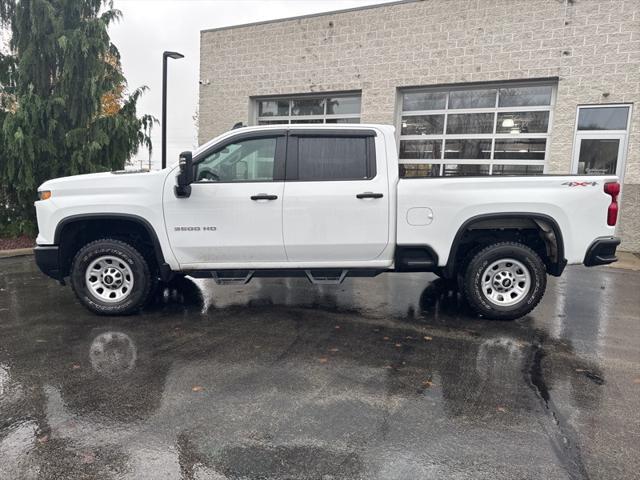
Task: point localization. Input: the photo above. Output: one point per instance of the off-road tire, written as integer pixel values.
(142, 277)
(472, 280)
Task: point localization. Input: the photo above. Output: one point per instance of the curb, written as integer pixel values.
(18, 252)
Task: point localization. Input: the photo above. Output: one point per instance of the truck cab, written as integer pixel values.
(294, 198)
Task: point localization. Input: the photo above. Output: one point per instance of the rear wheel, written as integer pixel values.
(504, 281)
(110, 277)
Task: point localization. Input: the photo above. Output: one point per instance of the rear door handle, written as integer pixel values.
(264, 196)
(369, 195)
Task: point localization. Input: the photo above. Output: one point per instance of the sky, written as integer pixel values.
(149, 27)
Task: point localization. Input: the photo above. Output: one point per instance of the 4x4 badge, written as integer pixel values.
(580, 184)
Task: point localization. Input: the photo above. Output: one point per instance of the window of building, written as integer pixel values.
(249, 160)
(601, 139)
(332, 158)
(338, 108)
(492, 130)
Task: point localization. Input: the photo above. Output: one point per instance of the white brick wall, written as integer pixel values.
(592, 46)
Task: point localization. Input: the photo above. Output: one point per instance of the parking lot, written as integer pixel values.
(389, 378)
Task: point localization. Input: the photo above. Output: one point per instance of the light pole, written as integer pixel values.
(165, 56)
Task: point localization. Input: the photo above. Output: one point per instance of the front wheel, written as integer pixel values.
(504, 281)
(110, 277)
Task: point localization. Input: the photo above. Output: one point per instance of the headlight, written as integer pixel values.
(44, 194)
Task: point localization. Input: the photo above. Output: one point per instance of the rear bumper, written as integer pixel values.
(602, 251)
(48, 260)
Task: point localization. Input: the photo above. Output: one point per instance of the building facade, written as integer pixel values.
(482, 87)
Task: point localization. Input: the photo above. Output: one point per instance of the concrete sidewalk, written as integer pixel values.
(16, 252)
(627, 261)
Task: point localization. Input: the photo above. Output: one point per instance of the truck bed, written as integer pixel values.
(434, 209)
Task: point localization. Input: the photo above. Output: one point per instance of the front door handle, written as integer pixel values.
(264, 196)
(369, 195)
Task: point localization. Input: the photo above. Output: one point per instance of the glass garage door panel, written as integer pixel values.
(475, 130)
(335, 108)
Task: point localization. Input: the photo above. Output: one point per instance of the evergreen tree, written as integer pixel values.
(64, 109)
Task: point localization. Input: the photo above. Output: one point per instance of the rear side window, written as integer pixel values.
(335, 158)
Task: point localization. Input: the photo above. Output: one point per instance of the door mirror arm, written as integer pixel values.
(185, 177)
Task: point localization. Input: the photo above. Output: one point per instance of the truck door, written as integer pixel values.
(336, 196)
(234, 213)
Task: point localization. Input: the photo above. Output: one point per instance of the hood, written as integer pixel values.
(100, 180)
(104, 183)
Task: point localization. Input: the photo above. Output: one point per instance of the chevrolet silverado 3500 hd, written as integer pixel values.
(323, 202)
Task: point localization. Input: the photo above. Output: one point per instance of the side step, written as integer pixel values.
(232, 277)
(326, 277)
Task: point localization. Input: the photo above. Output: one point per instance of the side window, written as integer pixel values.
(249, 160)
(334, 158)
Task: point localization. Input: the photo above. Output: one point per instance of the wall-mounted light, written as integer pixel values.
(514, 131)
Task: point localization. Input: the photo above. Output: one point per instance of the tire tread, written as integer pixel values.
(497, 314)
(138, 258)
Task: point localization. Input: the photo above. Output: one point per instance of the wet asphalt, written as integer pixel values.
(382, 378)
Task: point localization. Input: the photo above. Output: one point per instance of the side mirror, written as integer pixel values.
(185, 177)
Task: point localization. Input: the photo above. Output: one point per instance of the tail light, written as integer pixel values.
(612, 189)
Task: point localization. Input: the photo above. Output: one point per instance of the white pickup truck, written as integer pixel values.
(324, 202)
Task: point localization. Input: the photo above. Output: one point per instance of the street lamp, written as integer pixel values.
(165, 56)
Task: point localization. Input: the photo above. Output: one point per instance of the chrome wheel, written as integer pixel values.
(505, 282)
(109, 279)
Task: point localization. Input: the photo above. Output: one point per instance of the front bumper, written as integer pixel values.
(48, 260)
(602, 251)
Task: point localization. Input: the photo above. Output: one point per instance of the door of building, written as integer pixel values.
(601, 140)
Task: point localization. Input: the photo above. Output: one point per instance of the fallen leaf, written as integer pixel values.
(197, 388)
(323, 360)
(88, 457)
(43, 439)
(75, 366)
(428, 338)
(427, 383)
(501, 409)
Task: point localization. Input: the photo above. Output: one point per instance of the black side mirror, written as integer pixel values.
(185, 177)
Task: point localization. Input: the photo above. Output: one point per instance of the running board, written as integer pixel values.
(232, 277)
(326, 277)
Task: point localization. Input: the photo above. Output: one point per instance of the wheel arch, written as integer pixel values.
(74, 224)
(550, 233)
